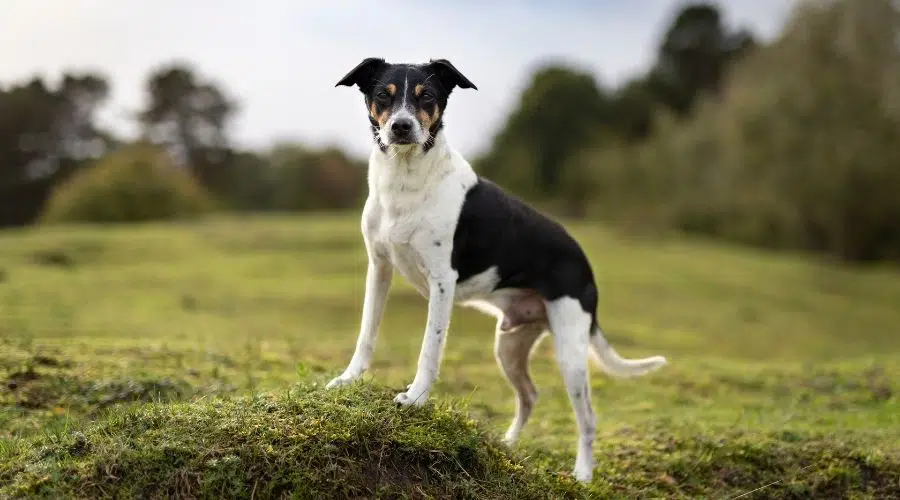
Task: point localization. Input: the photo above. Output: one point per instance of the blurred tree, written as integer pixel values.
(251, 184)
(693, 56)
(80, 97)
(557, 114)
(190, 116)
(305, 179)
(45, 133)
(634, 106)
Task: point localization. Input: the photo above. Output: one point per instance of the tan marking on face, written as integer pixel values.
(419, 89)
(391, 88)
(382, 118)
(427, 120)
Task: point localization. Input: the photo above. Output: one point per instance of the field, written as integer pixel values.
(188, 359)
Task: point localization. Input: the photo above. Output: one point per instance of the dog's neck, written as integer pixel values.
(409, 169)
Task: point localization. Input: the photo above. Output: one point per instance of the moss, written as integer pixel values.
(355, 443)
(307, 443)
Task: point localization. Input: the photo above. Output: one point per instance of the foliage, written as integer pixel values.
(192, 356)
(46, 132)
(133, 184)
(190, 116)
(306, 179)
(788, 144)
(558, 113)
(777, 161)
(563, 110)
(693, 56)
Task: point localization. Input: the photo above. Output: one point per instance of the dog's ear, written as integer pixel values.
(363, 74)
(450, 76)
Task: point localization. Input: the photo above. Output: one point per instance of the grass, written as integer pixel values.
(187, 360)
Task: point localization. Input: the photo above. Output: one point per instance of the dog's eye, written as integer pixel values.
(427, 97)
(382, 96)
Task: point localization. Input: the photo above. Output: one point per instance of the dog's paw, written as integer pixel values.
(411, 398)
(584, 471)
(511, 438)
(341, 380)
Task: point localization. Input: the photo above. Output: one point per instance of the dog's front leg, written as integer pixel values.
(441, 289)
(378, 283)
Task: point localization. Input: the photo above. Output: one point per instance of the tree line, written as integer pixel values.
(784, 144)
(49, 134)
(790, 144)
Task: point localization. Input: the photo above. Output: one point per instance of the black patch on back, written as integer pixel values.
(530, 250)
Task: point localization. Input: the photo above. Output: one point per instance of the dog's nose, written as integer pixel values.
(402, 126)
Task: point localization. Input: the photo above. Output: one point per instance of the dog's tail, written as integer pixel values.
(615, 365)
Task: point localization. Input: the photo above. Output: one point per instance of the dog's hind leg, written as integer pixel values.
(570, 326)
(512, 350)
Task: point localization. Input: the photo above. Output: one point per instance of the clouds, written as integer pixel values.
(281, 58)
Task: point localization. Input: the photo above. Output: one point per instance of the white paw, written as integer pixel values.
(510, 438)
(341, 380)
(411, 398)
(584, 472)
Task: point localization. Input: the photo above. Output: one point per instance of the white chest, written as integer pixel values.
(411, 215)
(396, 238)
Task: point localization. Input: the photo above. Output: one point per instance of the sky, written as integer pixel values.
(280, 59)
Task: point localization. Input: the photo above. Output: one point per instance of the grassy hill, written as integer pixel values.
(188, 359)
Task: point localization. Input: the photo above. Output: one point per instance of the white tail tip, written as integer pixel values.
(615, 365)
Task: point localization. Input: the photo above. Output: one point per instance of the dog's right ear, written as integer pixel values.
(363, 74)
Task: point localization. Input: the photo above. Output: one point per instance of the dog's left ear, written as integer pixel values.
(450, 76)
(363, 74)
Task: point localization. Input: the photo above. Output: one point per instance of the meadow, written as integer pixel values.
(188, 359)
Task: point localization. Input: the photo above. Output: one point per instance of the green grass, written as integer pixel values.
(188, 359)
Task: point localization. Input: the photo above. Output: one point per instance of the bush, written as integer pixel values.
(315, 180)
(134, 184)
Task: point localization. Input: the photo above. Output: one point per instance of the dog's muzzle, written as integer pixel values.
(401, 131)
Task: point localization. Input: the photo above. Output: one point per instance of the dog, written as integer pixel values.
(459, 238)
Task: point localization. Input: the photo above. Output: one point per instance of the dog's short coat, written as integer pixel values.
(460, 239)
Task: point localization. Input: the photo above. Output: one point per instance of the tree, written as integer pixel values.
(559, 112)
(189, 115)
(694, 55)
(305, 179)
(46, 133)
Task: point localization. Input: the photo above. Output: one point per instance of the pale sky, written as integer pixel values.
(281, 58)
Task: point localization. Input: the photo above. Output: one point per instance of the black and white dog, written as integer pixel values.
(459, 239)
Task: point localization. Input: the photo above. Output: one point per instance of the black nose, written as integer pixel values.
(402, 126)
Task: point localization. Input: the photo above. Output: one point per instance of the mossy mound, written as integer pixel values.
(352, 443)
(355, 443)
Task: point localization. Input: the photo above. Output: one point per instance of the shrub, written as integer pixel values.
(311, 180)
(133, 184)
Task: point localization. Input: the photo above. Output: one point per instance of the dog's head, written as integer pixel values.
(406, 102)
